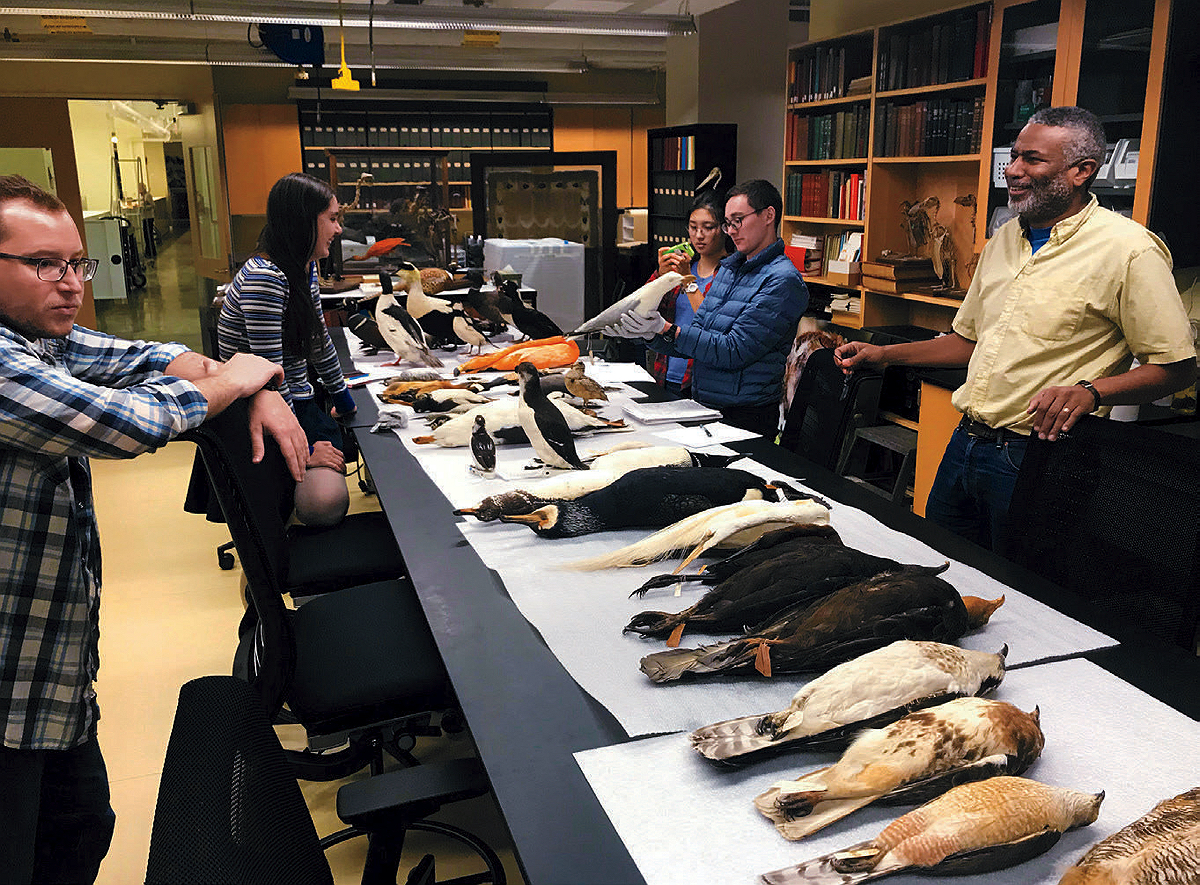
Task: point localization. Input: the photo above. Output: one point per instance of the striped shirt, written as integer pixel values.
(251, 321)
(61, 401)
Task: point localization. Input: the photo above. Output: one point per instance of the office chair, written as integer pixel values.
(229, 809)
(827, 407)
(1111, 512)
(357, 668)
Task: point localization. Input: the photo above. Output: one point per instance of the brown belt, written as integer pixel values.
(979, 430)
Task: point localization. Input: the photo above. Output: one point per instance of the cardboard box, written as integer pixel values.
(844, 273)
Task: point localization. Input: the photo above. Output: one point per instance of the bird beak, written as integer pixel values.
(542, 518)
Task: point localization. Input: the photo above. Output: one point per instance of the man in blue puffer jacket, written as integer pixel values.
(745, 326)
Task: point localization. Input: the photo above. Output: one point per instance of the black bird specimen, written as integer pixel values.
(543, 423)
(803, 565)
(650, 497)
(530, 322)
(365, 328)
(486, 304)
(483, 447)
(907, 603)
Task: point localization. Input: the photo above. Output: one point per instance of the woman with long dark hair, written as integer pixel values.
(273, 309)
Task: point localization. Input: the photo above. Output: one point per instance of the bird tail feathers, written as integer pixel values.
(675, 663)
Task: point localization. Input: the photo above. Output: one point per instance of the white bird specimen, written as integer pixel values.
(870, 690)
(419, 303)
(642, 300)
(402, 332)
(501, 415)
(918, 755)
(728, 526)
(465, 329)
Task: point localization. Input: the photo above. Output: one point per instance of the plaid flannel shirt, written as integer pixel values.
(659, 362)
(61, 401)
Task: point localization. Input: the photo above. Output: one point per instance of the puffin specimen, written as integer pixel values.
(501, 415)
(649, 497)
(529, 321)
(483, 447)
(1162, 847)
(973, 828)
(868, 691)
(811, 563)
(907, 762)
(543, 423)
(580, 385)
(728, 526)
(403, 334)
(642, 300)
(907, 603)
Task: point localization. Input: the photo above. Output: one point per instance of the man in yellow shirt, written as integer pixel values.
(1065, 295)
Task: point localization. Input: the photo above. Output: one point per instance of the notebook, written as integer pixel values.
(667, 412)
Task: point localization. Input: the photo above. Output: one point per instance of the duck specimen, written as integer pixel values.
(811, 563)
(728, 526)
(973, 828)
(544, 424)
(1162, 847)
(868, 691)
(483, 448)
(580, 385)
(403, 334)
(433, 314)
(502, 420)
(907, 603)
(486, 304)
(464, 329)
(529, 321)
(649, 497)
(643, 300)
(909, 761)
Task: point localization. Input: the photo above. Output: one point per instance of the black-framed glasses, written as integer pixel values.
(51, 270)
(729, 225)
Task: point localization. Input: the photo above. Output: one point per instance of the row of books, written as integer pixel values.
(846, 303)
(676, 152)
(910, 274)
(831, 193)
(671, 198)
(932, 128)
(813, 253)
(498, 132)
(830, 72)
(382, 170)
(951, 49)
(836, 136)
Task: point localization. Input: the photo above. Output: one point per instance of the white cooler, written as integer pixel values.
(551, 266)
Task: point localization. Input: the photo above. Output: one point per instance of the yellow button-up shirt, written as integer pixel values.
(1097, 294)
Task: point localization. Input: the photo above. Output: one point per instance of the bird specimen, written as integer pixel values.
(380, 248)
(399, 390)
(642, 300)
(434, 280)
(415, 375)
(447, 399)
(810, 563)
(977, 827)
(1162, 847)
(486, 304)
(529, 321)
(907, 762)
(504, 424)
(544, 353)
(543, 423)
(483, 448)
(870, 690)
(434, 314)
(649, 497)
(729, 526)
(464, 329)
(366, 329)
(580, 385)
(404, 336)
(907, 603)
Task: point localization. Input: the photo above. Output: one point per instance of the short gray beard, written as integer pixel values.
(1045, 201)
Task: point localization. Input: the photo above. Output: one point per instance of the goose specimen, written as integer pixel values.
(729, 526)
(907, 762)
(642, 300)
(403, 334)
(811, 563)
(529, 321)
(543, 423)
(870, 690)
(973, 828)
(908, 603)
(649, 497)
(1162, 847)
(501, 415)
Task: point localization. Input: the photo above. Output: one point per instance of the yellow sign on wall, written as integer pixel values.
(65, 24)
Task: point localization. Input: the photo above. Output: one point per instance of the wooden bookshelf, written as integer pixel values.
(679, 159)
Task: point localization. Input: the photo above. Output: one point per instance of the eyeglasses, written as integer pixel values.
(729, 225)
(51, 270)
(702, 228)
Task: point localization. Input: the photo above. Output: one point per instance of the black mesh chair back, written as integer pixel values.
(229, 809)
(1111, 512)
(826, 407)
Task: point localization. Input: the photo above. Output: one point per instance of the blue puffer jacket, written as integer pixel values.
(743, 331)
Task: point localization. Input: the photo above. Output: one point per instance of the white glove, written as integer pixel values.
(634, 325)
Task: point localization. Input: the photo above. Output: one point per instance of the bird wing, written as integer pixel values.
(643, 300)
(557, 433)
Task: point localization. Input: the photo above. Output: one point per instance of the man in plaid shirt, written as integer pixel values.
(67, 394)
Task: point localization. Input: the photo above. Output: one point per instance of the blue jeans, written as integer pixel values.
(57, 820)
(974, 485)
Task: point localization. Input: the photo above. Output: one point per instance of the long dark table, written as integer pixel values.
(528, 716)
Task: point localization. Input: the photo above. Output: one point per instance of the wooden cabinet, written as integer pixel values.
(680, 158)
(261, 146)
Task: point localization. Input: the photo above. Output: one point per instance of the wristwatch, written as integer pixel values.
(668, 334)
(1090, 388)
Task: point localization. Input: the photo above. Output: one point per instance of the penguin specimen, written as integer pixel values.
(811, 563)
(868, 691)
(529, 321)
(464, 329)
(543, 423)
(483, 447)
(918, 756)
(729, 526)
(649, 497)
(642, 300)
(973, 828)
(404, 336)
(580, 385)
(502, 420)
(908, 603)
(1162, 847)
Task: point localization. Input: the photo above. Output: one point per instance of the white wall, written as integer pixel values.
(92, 127)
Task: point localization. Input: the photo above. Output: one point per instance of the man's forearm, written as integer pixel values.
(945, 351)
(1145, 383)
(192, 366)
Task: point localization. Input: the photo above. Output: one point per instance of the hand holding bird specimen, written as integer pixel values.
(641, 300)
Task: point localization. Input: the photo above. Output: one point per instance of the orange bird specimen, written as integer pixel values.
(381, 247)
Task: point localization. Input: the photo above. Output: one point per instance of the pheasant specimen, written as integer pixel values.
(908, 603)
(871, 690)
(918, 756)
(976, 827)
(1162, 847)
